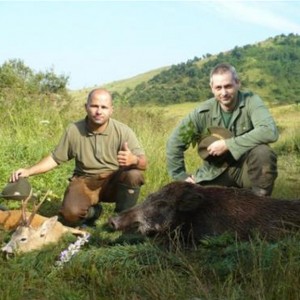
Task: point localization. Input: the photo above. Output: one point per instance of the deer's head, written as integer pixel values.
(26, 238)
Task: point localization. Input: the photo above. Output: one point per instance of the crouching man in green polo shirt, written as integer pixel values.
(109, 163)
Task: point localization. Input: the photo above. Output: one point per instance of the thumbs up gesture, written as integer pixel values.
(125, 147)
(125, 156)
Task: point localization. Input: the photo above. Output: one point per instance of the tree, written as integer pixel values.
(52, 83)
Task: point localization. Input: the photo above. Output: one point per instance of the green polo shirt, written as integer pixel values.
(95, 153)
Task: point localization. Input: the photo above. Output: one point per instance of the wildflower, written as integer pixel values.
(73, 248)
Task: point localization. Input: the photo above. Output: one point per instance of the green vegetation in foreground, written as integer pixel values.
(116, 266)
(34, 111)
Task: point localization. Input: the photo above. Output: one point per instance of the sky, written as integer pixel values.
(98, 42)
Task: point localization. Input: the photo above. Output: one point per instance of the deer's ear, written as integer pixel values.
(47, 226)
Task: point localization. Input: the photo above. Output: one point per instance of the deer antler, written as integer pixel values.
(24, 204)
(36, 208)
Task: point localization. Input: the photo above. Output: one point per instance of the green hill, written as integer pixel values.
(270, 68)
(119, 87)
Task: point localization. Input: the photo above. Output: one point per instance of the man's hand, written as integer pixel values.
(190, 179)
(19, 173)
(46, 164)
(217, 148)
(125, 157)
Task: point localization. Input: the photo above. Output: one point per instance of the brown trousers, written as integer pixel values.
(85, 191)
(257, 169)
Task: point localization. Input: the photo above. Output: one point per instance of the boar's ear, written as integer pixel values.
(190, 201)
(47, 226)
(191, 198)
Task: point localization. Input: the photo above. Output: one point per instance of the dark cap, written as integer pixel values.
(18, 190)
(214, 134)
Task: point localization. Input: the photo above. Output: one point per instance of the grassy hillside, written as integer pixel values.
(270, 68)
(126, 266)
(118, 87)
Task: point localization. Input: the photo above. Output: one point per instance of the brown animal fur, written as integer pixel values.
(199, 211)
(27, 237)
(11, 219)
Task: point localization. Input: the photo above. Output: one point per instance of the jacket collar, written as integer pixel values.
(216, 110)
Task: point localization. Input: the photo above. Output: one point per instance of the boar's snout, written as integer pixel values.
(112, 222)
(117, 222)
(126, 221)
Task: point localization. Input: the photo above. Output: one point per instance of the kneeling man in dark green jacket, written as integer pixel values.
(233, 131)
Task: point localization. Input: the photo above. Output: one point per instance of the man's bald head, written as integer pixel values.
(99, 93)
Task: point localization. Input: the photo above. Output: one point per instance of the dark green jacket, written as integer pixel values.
(251, 125)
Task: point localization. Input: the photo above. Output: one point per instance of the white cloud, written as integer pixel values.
(255, 12)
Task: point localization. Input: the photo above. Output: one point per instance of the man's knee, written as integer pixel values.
(263, 158)
(262, 168)
(78, 198)
(263, 153)
(73, 214)
(132, 177)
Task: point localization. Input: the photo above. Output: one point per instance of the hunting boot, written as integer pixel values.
(93, 215)
(126, 197)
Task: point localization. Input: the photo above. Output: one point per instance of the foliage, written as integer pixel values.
(18, 80)
(126, 266)
(112, 265)
(189, 135)
(49, 82)
(269, 68)
(72, 250)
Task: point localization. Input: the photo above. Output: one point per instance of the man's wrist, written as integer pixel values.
(137, 161)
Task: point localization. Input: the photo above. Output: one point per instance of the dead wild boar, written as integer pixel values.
(198, 211)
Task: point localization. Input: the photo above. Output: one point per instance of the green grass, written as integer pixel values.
(116, 266)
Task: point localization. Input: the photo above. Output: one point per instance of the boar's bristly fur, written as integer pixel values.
(200, 211)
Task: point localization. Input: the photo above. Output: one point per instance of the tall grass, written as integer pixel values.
(123, 266)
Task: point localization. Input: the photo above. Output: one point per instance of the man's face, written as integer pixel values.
(99, 109)
(225, 89)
